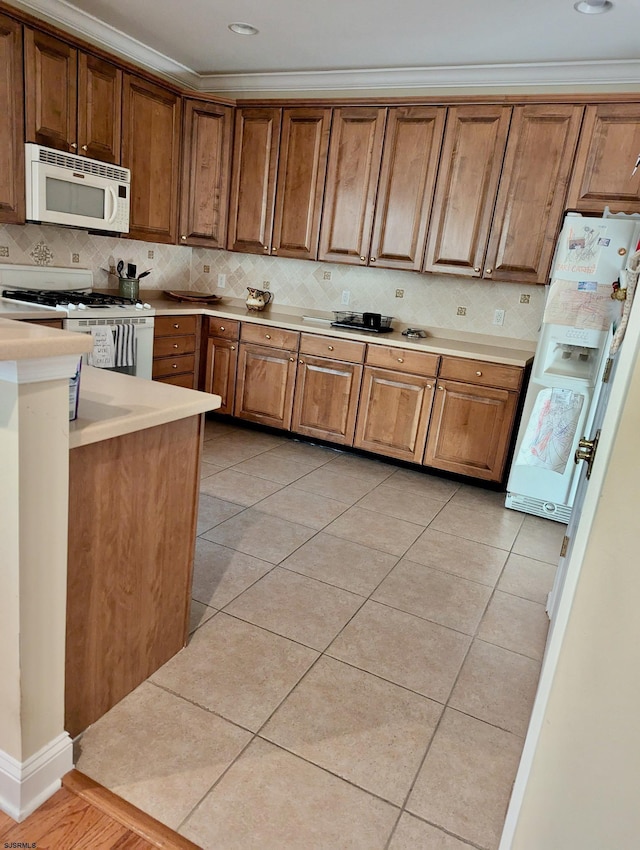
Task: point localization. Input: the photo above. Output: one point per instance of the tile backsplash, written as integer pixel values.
(428, 300)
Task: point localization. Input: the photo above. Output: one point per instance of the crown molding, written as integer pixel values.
(620, 72)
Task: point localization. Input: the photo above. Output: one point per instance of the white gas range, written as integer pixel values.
(69, 292)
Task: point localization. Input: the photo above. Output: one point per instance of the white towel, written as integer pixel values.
(125, 345)
(103, 350)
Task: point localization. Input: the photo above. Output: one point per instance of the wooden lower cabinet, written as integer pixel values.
(394, 413)
(326, 399)
(264, 386)
(220, 371)
(132, 522)
(175, 350)
(470, 429)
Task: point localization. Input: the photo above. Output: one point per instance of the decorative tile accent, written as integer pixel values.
(42, 254)
(4, 250)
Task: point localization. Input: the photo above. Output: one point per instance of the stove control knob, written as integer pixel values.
(70, 306)
(146, 306)
(81, 306)
(139, 306)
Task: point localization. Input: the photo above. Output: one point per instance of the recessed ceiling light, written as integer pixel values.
(243, 29)
(593, 7)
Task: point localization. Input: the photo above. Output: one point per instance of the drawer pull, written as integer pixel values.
(221, 328)
(176, 324)
(479, 374)
(330, 347)
(174, 365)
(400, 359)
(175, 344)
(267, 336)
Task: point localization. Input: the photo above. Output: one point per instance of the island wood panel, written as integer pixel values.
(607, 153)
(533, 187)
(12, 198)
(355, 152)
(405, 192)
(151, 125)
(394, 413)
(470, 429)
(51, 91)
(99, 108)
(206, 169)
(326, 399)
(470, 166)
(253, 181)
(302, 168)
(132, 521)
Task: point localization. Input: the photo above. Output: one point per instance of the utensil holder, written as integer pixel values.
(129, 288)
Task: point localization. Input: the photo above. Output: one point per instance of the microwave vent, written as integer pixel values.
(86, 166)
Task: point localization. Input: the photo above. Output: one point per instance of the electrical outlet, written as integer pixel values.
(525, 299)
(461, 311)
(346, 297)
(326, 275)
(498, 317)
(75, 258)
(206, 269)
(222, 281)
(399, 293)
(150, 255)
(266, 285)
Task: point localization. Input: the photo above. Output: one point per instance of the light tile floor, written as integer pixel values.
(366, 646)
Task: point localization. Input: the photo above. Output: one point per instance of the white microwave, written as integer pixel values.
(76, 191)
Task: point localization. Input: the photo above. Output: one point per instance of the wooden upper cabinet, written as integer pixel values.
(471, 162)
(355, 152)
(608, 150)
(206, 167)
(12, 199)
(253, 181)
(51, 82)
(405, 192)
(151, 149)
(531, 198)
(99, 108)
(304, 145)
(73, 99)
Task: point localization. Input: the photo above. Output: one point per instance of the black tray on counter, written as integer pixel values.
(362, 322)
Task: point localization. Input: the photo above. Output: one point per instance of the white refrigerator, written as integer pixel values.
(571, 361)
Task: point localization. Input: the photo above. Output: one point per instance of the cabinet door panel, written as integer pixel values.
(151, 149)
(51, 84)
(99, 108)
(470, 430)
(220, 375)
(394, 413)
(264, 389)
(472, 153)
(206, 167)
(12, 206)
(609, 147)
(528, 215)
(301, 174)
(255, 160)
(326, 399)
(405, 192)
(352, 178)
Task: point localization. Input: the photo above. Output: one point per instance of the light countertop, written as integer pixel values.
(22, 341)
(112, 404)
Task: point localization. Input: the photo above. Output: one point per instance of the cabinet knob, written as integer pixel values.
(479, 374)
(372, 259)
(266, 248)
(175, 344)
(476, 269)
(293, 360)
(184, 238)
(73, 145)
(429, 386)
(440, 388)
(363, 259)
(233, 348)
(174, 366)
(330, 347)
(400, 359)
(221, 328)
(176, 325)
(488, 271)
(85, 147)
(267, 336)
(274, 250)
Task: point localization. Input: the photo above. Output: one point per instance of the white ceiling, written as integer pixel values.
(362, 43)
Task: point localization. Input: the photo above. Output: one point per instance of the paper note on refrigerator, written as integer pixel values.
(580, 247)
(580, 304)
(551, 429)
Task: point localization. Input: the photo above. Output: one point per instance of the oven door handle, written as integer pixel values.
(113, 212)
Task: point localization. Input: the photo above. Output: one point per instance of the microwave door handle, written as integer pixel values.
(111, 193)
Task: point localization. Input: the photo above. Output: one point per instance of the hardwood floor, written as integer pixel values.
(83, 815)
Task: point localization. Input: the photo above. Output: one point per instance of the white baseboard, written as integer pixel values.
(26, 785)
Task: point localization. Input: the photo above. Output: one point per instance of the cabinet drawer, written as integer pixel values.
(479, 372)
(264, 335)
(223, 328)
(172, 325)
(327, 346)
(173, 365)
(402, 360)
(184, 380)
(167, 346)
